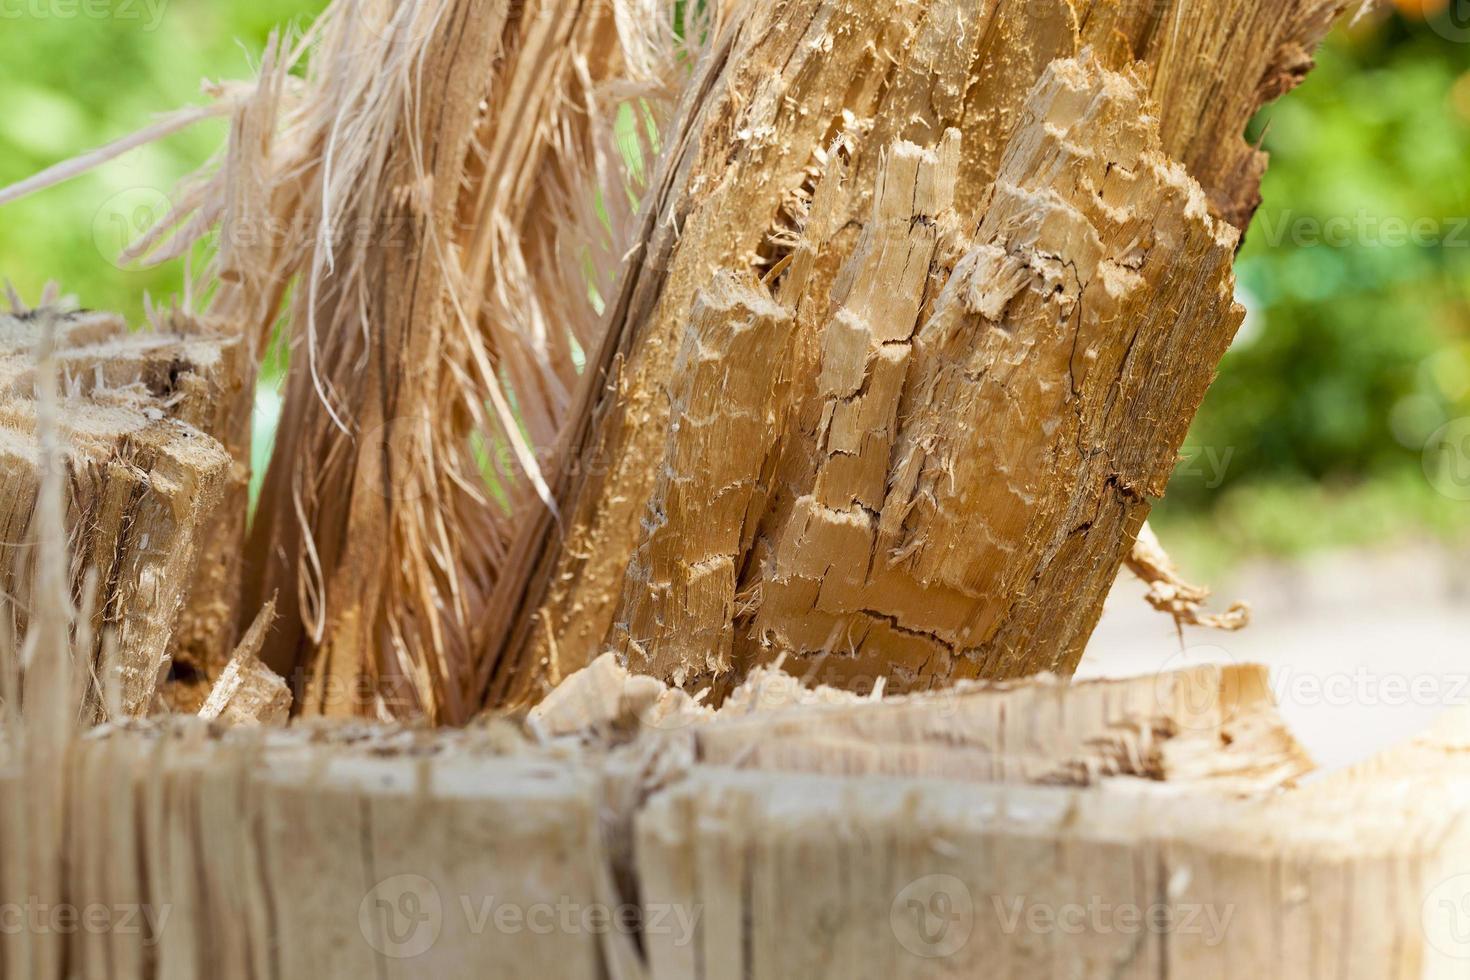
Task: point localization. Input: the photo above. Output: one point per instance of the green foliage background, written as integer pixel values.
(75, 74)
(1356, 351)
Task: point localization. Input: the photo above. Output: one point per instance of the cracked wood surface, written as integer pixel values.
(1209, 726)
(1022, 421)
(244, 854)
(1076, 303)
(141, 481)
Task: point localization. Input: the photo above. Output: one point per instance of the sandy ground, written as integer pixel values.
(1364, 649)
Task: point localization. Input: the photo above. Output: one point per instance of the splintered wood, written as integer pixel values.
(852, 840)
(1213, 726)
(142, 480)
(477, 197)
(880, 374)
(1001, 267)
(913, 319)
(247, 692)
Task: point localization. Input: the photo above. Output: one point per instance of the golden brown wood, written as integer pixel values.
(1019, 402)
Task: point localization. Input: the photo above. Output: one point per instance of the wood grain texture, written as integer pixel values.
(1029, 373)
(342, 850)
(142, 482)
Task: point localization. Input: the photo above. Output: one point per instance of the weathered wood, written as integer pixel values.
(1208, 725)
(215, 395)
(349, 851)
(925, 879)
(1077, 239)
(141, 481)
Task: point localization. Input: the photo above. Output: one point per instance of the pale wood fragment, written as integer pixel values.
(605, 700)
(1209, 725)
(247, 692)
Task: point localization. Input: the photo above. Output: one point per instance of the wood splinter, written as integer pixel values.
(1169, 593)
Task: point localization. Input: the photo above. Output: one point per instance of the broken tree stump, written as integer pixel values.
(142, 481)
(343, 850)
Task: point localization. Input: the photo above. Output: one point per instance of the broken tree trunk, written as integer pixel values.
(143, 481)
(914, 316)
(1007, 273)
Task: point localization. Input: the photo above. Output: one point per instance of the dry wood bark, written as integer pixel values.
(144, 476)
(982, 428)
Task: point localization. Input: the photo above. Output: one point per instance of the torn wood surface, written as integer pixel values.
(217, 396)
(142, 482)
(680, 600)
(1052, 301)
(475, 202)
(1209, 725)
(512, 497)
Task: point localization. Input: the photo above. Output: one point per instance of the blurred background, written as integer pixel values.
(1327, 479)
